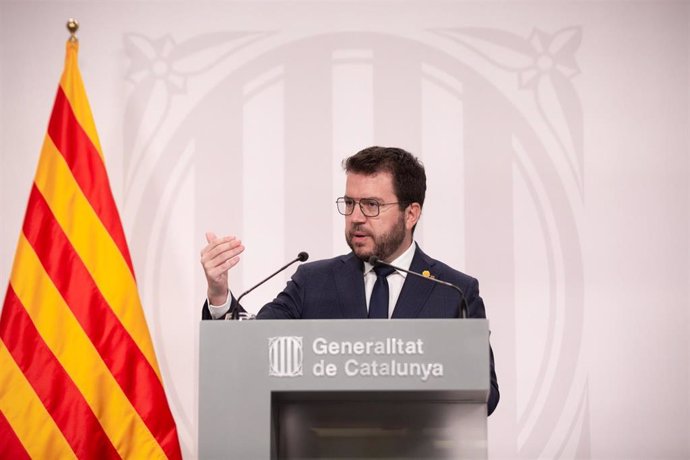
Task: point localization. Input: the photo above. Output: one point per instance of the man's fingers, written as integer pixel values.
(210, 237)
(218, 245)
(222, 262)
(222, 268)
(232, 262)
(221, 259)
(222, 253)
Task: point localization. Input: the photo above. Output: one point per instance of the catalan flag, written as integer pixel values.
(78, 373)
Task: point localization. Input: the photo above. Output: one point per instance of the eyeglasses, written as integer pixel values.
(369, 206)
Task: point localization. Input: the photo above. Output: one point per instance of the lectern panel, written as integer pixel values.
(364, 370)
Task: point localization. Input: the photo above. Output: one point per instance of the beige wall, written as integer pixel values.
(555, 136)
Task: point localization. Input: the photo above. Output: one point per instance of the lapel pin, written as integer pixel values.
(427, 274)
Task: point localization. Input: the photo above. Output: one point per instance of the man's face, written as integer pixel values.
(385, 236)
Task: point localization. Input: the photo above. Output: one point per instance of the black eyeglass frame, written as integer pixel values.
(372, 201)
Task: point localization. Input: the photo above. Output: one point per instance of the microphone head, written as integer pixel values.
(373, 260)
(302, 256)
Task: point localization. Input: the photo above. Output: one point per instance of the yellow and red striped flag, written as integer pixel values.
(78, 373)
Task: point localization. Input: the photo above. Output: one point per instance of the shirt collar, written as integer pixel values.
(404, 260)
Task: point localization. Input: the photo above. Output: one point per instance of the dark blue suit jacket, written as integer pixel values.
(334, 289)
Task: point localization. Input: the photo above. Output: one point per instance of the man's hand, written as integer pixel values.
(219, 256)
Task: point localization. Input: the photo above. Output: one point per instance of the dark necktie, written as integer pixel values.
(378, 304)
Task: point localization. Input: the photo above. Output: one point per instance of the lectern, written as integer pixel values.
(280, 389)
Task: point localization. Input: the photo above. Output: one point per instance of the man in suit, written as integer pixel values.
(384, 195)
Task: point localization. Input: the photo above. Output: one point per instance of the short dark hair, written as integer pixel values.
(409, 178)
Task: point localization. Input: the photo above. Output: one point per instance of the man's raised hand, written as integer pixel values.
(217, 258)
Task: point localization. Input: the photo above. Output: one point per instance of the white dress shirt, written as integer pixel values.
(395, 279)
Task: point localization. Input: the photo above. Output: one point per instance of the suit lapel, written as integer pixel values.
(349, 281)
(415, 291)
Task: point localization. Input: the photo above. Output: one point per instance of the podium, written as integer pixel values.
(281, 389)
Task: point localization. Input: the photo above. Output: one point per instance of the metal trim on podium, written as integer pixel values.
(343, 389)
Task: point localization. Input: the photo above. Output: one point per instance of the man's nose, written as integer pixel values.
(357, 214)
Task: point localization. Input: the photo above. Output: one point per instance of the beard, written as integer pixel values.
(384, 245)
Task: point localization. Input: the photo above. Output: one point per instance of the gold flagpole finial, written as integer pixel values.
(72, 26)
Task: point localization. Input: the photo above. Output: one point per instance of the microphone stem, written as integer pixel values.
(235, 311)
(463, 302)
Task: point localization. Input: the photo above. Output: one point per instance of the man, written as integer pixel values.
(384, 195)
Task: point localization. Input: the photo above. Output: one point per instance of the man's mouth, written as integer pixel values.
(359, 235)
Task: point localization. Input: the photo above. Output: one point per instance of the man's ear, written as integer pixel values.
(412, 214)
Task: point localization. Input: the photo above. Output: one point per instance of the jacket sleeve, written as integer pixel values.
(288, 304)
(475, 309)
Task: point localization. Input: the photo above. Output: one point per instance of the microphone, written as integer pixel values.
(373, 260)
(301, 257)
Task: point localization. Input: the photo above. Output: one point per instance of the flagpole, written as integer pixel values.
(73, 27)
